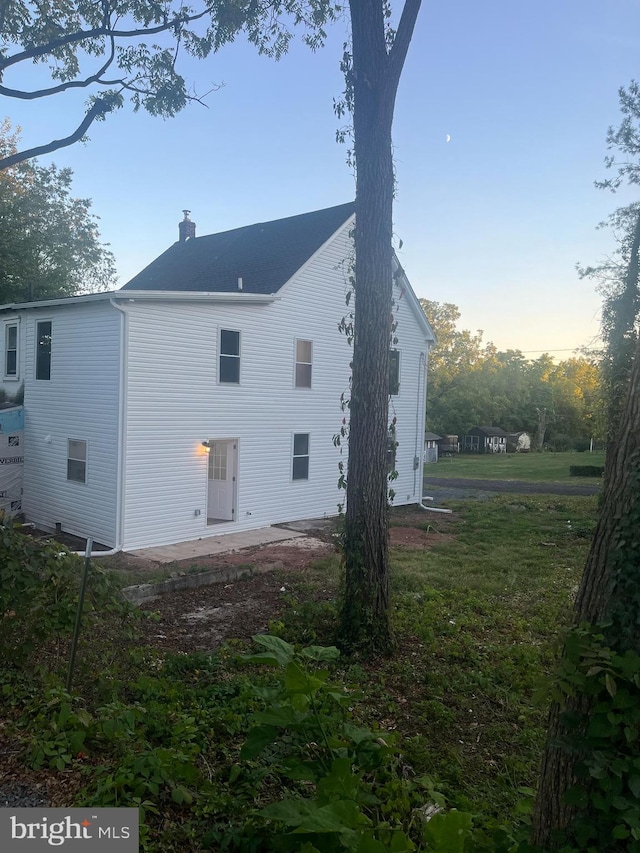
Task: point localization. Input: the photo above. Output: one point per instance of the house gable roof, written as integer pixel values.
(265, 255)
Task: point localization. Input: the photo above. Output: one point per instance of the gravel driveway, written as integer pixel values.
(453, 488)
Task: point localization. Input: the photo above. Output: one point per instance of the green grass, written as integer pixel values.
(478, 615)
(545, 467)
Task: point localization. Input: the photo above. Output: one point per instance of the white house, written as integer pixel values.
(203, 397)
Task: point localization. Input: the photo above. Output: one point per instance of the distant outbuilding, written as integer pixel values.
(431, 446)
(487, 439)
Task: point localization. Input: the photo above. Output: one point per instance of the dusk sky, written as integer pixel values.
(493, 220)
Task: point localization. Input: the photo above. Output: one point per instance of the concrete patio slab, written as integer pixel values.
(212, 545)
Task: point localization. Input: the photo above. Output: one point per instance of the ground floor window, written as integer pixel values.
(301, 456)
(77, 460)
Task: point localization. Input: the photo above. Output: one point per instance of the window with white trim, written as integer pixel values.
(229, 360)
(11, 350)
(43, 349)
(300, 469)
(77, 460)
(304, 363)
(394, 372)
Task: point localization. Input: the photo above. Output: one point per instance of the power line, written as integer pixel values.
(550, 349)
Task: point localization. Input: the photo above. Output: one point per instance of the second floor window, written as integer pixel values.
(394, 372)
(229, 371)
(11, 350)
(43, 349)
(304, 360)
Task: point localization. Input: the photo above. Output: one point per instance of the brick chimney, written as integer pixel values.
(186, 228)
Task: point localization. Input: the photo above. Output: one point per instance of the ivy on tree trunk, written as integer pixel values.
(377, 61)
(609, 595)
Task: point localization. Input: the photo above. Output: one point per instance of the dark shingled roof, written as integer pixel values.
(492, 431)
(264, 255)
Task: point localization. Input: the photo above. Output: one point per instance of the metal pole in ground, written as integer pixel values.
(76, 627)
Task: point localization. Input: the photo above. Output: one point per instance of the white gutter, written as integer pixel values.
(149, 295)
(195, 296)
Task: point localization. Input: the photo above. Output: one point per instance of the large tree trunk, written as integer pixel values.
(375, 75)
(610, 591)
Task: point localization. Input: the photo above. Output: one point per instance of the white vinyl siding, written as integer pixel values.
(80, 401)
(166, 464)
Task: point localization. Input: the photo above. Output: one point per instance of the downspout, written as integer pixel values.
(419, 448)
(423, 360)
(124, 332)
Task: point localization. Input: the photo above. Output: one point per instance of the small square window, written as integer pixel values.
(229, 357)
(304, 362)
(394, 372)
(77, 460)
(300, 456)
(43, 349)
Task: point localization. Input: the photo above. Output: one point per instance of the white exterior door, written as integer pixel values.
(221, 496)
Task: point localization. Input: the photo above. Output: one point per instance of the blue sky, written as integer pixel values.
(494, 220)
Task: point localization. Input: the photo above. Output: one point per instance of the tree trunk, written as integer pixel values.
(542, 428)
(609, 591)
(374, 76)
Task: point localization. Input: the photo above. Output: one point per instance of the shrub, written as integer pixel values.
(561, 443)
(586, 470)
(39, 584)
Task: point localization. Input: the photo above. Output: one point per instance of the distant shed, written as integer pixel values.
(431, 446)
(518, 442)
(485, 440)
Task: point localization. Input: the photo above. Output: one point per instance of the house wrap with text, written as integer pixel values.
(203, 397)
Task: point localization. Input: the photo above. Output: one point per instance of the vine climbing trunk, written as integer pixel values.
(374, 78)
(609, 593)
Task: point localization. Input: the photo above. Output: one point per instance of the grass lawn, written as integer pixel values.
(549, 467)
(478, 614)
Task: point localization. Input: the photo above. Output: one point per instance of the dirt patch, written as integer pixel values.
(413, 537)
(201, 619)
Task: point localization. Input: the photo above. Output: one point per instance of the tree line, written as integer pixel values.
(471, 383)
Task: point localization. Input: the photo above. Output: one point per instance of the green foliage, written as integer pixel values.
(355, 797)
(604, 734)
(472, 384)
(586, 470)
(86, 46)
(49, 241)
(209, 745)
(39, 583)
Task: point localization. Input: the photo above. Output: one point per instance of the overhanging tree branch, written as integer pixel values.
(98, 32)
(98, 109)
